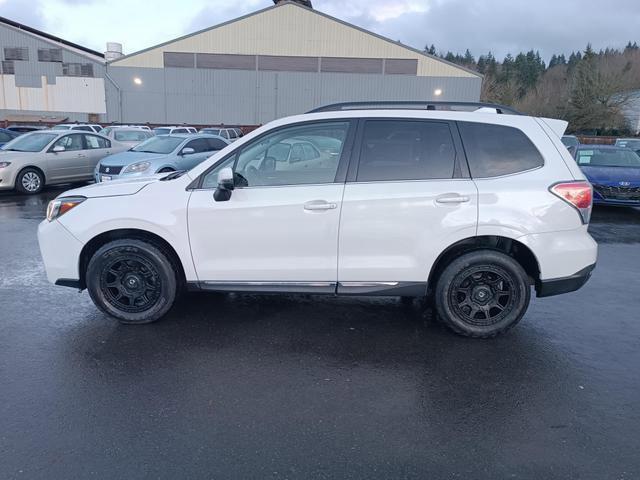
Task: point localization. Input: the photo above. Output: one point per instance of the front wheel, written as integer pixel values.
(482, 294)
(30, 181)
(132, 280)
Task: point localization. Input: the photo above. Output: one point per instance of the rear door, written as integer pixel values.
(408, 197)
(69, 164)
(97, 148)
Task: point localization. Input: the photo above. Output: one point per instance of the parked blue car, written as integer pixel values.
(7, 135)
(159, 154)
(614, 173)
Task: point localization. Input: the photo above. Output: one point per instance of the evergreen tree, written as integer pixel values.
(468, 58)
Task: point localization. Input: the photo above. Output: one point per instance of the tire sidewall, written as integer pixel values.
(18, 183)
(475, 258)
(163, 265)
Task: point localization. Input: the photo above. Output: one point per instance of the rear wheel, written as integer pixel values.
(482, 294)
(30, 181)
(132, 280)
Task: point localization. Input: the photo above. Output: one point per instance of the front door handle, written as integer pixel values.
(319, 205)
(452, 199)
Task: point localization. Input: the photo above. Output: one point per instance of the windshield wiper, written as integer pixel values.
(173, 175)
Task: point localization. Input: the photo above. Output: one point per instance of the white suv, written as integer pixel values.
(470, 209)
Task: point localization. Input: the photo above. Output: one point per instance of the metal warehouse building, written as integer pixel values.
(47, 79)
(282, 60)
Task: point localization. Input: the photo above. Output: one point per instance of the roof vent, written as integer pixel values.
(114, 50)
(304, 3)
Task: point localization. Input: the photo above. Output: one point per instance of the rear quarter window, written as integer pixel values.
(496, 150)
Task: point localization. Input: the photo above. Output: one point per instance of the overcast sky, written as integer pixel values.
(502, 26)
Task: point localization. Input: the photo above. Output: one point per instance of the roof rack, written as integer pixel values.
(416, 105)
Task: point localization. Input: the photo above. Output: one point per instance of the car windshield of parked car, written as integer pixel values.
(130, 135)
(211, 131)
(61, 127)
(159, 145)
(162, 131)
(31, 142)
(613, 157)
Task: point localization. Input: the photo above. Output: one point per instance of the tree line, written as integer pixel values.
(589, 88)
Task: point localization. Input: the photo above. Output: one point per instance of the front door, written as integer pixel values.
(69, 164)
(279, 229)
(407, 199)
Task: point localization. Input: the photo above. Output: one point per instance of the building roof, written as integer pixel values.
(283, 3)
(49, 37)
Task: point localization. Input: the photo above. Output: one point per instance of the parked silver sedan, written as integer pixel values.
(46, 157)
(130, 136)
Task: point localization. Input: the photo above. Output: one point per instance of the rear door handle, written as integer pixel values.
(452, 199)
(319, 205)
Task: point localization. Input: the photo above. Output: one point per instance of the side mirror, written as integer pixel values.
(187, 151)
(58, 148)
(225, 185)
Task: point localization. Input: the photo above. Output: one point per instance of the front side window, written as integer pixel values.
(495, 150)
(395, 150)
(270, 160)
(30, 142)
(199, 145)
(94, 142)
(70, 142)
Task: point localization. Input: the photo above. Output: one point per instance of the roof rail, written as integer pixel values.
(416, 105)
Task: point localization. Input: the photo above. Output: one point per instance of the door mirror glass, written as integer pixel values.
(225, 185)
(59, 148)
(188, 151)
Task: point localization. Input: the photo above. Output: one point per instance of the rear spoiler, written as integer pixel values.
(558, 126)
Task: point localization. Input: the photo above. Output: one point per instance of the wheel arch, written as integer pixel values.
(34, 167)
(509, 246)
(92, 246)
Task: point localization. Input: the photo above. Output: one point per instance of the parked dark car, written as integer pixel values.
(614, 173)
(6, 136)
(632, 143)
(24, 128)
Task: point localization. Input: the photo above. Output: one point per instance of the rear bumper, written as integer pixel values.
(616, 203)
(557, 286)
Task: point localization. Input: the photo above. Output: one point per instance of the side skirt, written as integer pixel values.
(408, 289)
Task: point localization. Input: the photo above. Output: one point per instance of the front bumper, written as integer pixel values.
(60, 252)
(558, 286)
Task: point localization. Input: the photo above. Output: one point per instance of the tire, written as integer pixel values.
(482, 294)
(30, 181)
(132, 280)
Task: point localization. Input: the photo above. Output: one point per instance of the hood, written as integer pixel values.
(115, 188)
(612, 176)
(128, 157)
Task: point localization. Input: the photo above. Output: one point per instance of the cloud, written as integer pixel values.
(501, 26)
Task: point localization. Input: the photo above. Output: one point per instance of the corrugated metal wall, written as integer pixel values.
(207, 96)
(40, 88)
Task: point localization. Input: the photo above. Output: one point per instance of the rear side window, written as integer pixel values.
(216, 144)
(495, 150)
(406, 150)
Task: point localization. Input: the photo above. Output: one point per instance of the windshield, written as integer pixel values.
(162, 131)
(610, 157)
(570, 141)
(60, 127)
(130, 135)
(105, 131)
(211, 131)
(30, 142)
(159, 145)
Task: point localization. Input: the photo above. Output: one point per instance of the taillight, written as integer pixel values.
(577, 194)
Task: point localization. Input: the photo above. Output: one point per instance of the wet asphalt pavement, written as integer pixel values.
(316, 387)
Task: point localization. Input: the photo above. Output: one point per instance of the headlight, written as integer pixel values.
(4, 164)
(60, 206)
(137, 167)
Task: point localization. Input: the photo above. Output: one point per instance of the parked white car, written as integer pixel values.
(130, 136)
(469, 209)
(48, 157)
(85, 127)
(174, 130)
(231, 134)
